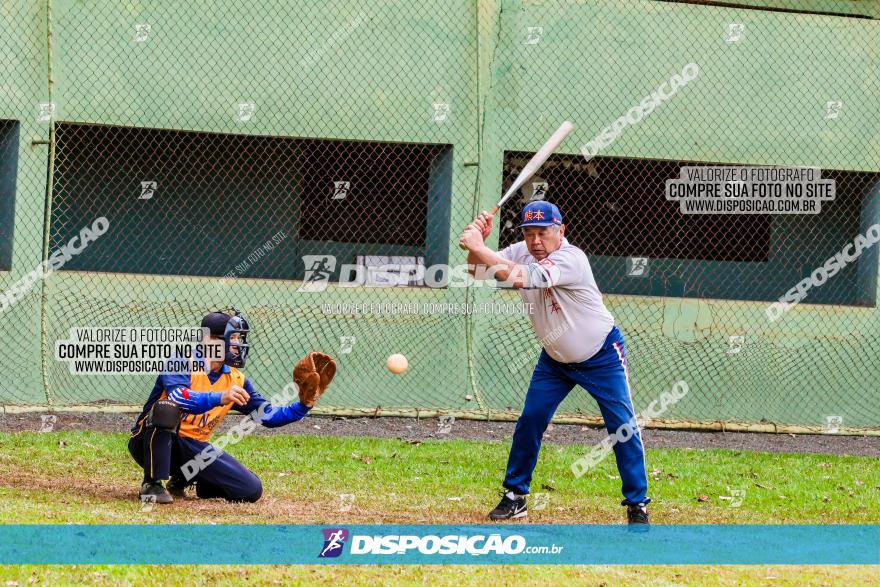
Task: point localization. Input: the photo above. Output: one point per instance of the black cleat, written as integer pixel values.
(176, 487)
(637, 514)
(511, 506)
(156, 493)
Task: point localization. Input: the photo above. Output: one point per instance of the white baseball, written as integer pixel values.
(397, 363)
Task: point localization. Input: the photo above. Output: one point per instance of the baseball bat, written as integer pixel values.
(534, 164)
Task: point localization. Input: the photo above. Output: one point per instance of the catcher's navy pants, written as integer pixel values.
(605, 377)
(162, 453)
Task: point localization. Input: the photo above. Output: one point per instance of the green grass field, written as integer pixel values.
(88, 477)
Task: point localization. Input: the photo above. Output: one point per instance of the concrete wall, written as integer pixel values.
(373, 71)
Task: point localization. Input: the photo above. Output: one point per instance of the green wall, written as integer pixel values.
(373, 71)
(23, 86)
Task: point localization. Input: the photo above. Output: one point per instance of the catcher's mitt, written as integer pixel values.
(312, 375)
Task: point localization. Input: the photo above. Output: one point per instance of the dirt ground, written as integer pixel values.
(427, 428)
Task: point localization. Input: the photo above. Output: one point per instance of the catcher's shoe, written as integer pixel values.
(511, 506)
(176, 487)
(155, 492)
(637, 514)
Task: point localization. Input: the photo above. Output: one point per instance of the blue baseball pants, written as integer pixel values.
(605, 377)
(162, 453)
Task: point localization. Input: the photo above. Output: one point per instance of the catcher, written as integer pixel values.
(170, 436)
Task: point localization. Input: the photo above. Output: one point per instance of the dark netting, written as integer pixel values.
(174, 214)
(640, 243)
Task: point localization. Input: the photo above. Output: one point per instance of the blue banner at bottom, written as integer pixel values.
(441, 544)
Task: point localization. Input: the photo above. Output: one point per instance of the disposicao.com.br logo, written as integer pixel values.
(334, 541)
(477, 545)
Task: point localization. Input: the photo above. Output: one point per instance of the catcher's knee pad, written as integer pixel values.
(164, 415)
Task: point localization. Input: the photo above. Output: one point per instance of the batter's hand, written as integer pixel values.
(471, 238)
(236, 395)
(483, 222)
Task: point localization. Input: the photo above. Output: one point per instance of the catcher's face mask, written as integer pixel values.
(236, 347)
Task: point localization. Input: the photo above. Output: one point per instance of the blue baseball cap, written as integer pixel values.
(540, 213)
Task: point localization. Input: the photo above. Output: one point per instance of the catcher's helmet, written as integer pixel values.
(223, 325)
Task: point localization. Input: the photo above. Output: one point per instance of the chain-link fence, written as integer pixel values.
(25, 122)
(281, 156)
